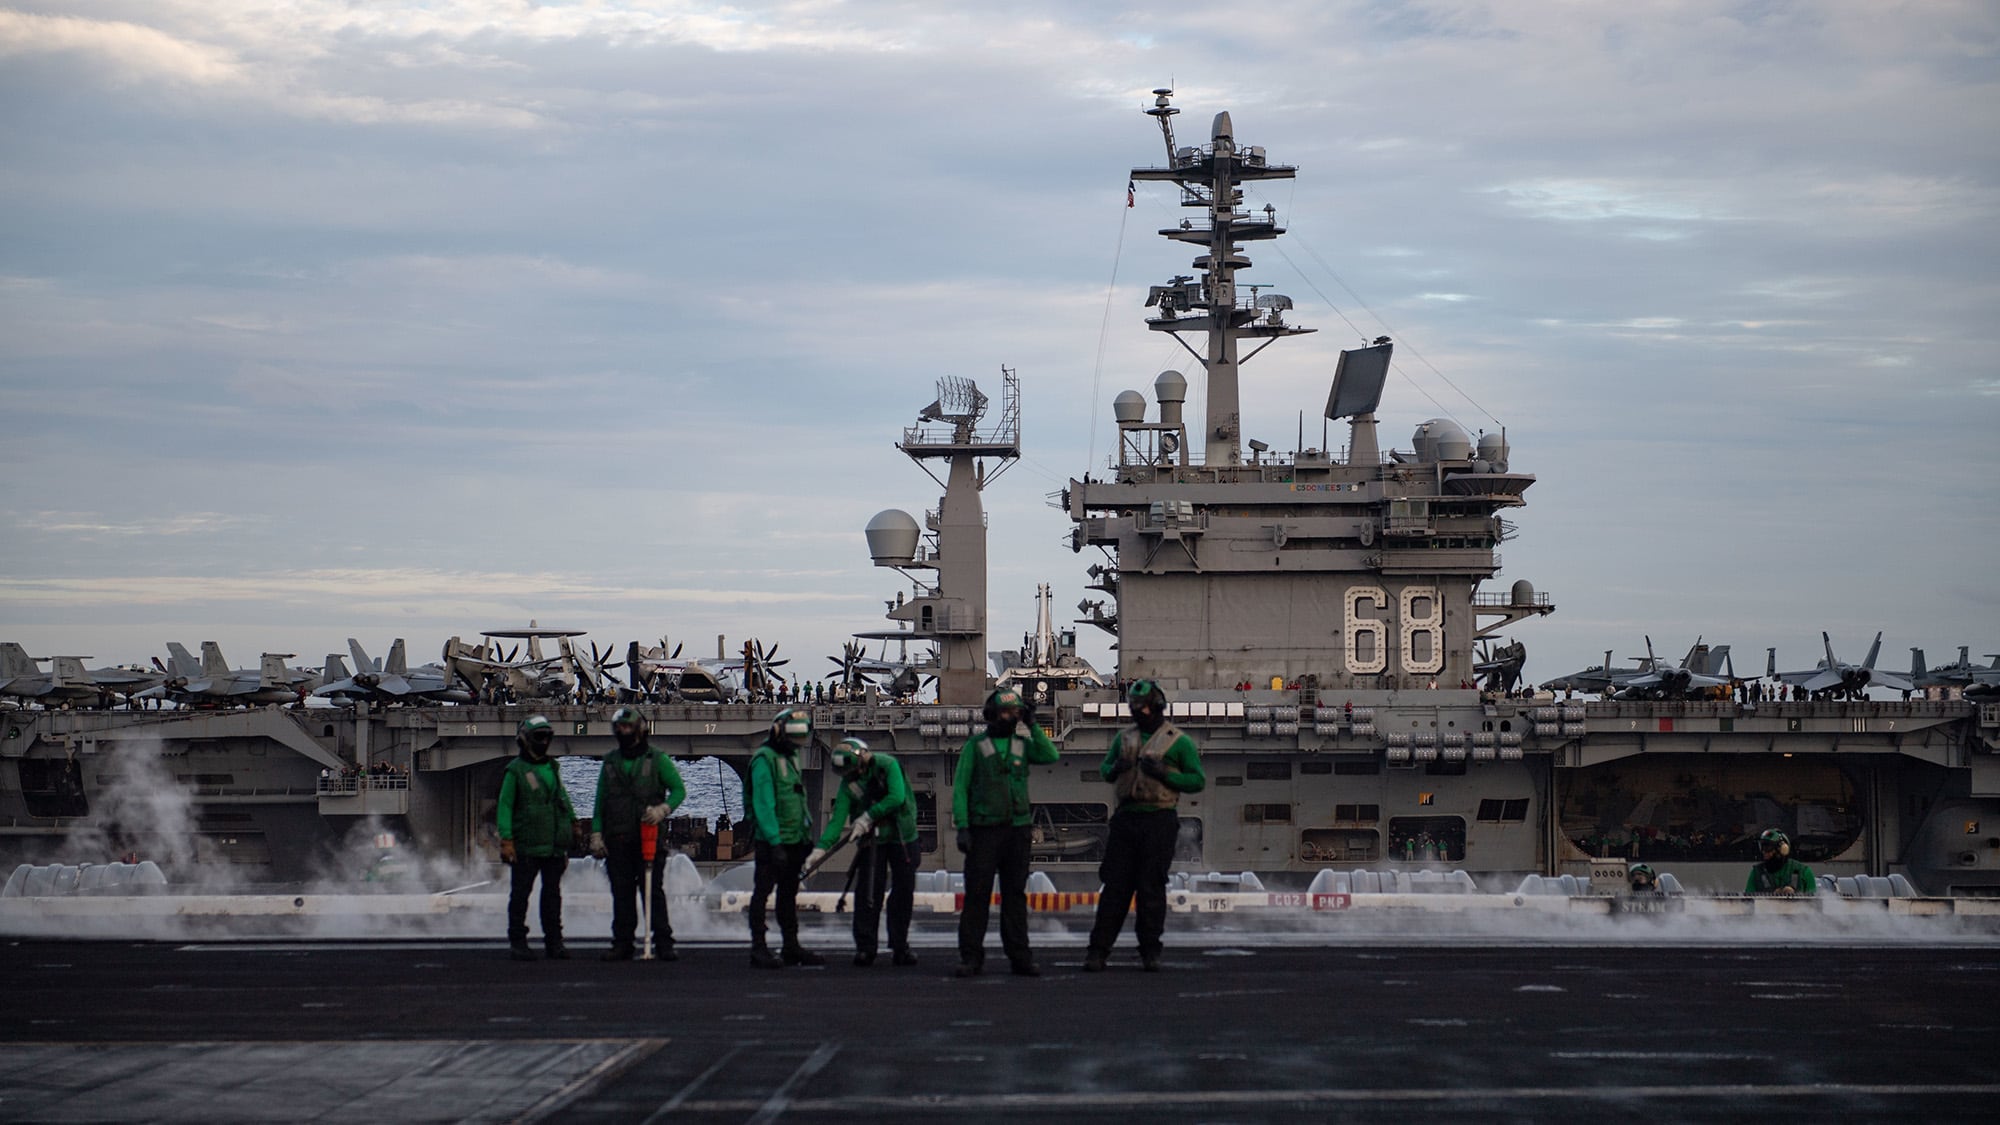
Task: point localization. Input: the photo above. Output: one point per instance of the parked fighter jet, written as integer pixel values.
(67, 682)
(1977, 680)
(213, 683)
(1833, 678)
(1595, 679)
(393, 681)
(1691, 676)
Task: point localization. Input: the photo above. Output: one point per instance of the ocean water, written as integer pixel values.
(713, 788)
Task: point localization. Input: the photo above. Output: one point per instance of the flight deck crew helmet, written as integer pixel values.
(1000, 700)
(1774, 840)
(535, 731)
(1146, 693)
(792, 726)
(628, 725)
(850, 755)
(1641, 875)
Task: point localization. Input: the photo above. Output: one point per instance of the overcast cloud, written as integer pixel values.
(322, 319)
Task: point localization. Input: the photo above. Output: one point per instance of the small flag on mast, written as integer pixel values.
(1131, 194)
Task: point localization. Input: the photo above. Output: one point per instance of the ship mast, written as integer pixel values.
(949, 609)
(1210, 179)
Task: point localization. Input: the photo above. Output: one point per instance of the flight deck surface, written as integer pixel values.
(1235, 1029)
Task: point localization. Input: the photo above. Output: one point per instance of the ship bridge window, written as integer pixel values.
(1267, 814)
(1358, 814)
(1497, 809)
(53, 787)
(1268, 771)
(1316, 767)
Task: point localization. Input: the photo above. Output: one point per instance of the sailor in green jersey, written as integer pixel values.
(774, 800)
(636, 785)
(1779, 873)
(989, 806)
(875, 801)
(536, 824)
(1151, 763)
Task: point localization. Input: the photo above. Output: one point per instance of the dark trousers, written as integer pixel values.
(1137, 854)
(1000, 850)
(883, 866)
(549, 868)
(624, 863)
(777, 866)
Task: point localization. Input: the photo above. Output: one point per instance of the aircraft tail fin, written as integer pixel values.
(1918, 667)
(183, 661)
(1718, 659)
(1826, 640)
(1964, 656)
(362, 665)
(1874, 651)
(336, 669)
(212, 663)
(15, 661)
(271, 670)
(399, 660)
(67, 671)
(1770, 663)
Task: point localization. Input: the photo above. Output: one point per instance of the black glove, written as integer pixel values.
(964, 842)
(1152, 767)
(1028, 712)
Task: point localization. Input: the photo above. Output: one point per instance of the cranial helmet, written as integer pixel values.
(1000, 700)
(850, 755)
(1636, 870)
(793, 724)
(535, 731)
(633, 721)
(1146, 693)
(1772, 838)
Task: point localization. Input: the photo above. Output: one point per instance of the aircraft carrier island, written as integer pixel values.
(1316, 617)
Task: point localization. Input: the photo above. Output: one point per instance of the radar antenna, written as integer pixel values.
(1164, 113)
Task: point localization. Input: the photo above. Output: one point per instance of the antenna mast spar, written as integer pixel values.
(1210, 178)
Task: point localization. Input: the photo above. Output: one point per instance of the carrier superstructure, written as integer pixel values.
(1313, 614)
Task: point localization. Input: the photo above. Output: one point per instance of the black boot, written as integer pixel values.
(863, 960)
(1025, 969)
(664, 951)
(519, 950)
(1095, 962)
(555, 950)
(903, 957)
(1149, 962)
(796, 954)
(618, 953)
(761, 957)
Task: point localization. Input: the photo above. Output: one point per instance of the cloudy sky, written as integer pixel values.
(324, 318)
